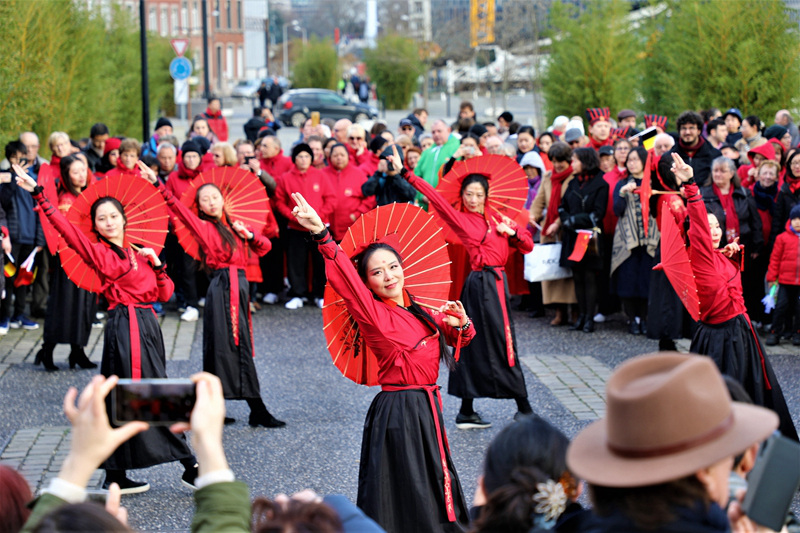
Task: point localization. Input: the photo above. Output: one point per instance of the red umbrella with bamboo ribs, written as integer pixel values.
(426, 267)
(508, 188)
(675, 264)
(145, 210)
(245, 200)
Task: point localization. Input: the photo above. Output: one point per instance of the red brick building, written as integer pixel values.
(183, 19)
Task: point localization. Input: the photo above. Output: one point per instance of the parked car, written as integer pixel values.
(249, 88)
(295, 106)
(246, 89)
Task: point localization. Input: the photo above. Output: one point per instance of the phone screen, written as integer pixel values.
(156, 401)
(315, 118)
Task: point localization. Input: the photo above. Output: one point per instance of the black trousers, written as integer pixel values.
(14, 303)
(787, 310)
(585, 289)
(298, 249)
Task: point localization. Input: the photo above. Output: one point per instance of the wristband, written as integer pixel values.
(37, 190)
(321, 235)
(466, 325)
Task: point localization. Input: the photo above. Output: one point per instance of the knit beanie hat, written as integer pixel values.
(163, 121)
(111, 144)
(302, 147)
(190, 146)
(775, 132)
(795, 212)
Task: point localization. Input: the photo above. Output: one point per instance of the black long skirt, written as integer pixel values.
(483, 370)
(666, 316)
(70, 310)
(156, 445)
(232, 364)
(736, 349)
(401, 480)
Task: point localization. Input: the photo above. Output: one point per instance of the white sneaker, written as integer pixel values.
(270, 298)
(190, 315)
(319, 302)
(294, 303)
(201, 302)
(599, 318)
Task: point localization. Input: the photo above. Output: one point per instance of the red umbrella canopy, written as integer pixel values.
(675, 264)
(426, 267)
(508, 188)
(245, 200)
(147, 222)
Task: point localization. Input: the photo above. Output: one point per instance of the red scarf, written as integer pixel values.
(125, 170)
(187, 174)
(594, 143)
(731, 217)
(557, 180)
(691, 150)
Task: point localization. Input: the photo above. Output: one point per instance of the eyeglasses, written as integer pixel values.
(355, 138)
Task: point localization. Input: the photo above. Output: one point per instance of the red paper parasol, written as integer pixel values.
(245, 200)
(145, 210)
(675, 264)
(426, 266)
(508, 188)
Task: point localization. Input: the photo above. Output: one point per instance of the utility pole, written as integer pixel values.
(145, 84)
(204, 14)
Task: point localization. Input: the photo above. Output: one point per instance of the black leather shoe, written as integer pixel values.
(78, 357)
(588, 327)
(473, 421)
(772, 340)
(578, 325)
(266, 420)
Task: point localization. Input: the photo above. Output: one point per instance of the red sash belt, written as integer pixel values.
(233, 274)
(497, 272)
(136, 344)
(433, 390)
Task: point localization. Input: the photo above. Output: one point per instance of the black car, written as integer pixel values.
(294, 107)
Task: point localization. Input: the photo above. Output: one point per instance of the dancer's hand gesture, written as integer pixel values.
(24, 181)
(454, 308)
(147, 172)
(305, 215)
(682, 171)
(242, 231)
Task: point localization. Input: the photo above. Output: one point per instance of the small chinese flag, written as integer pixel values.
(584, 236)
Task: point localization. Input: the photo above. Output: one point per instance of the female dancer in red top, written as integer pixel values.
(724, 331)
(407, 481)
(489, 366)
(133, 346)
(70, 309)
(227, 329)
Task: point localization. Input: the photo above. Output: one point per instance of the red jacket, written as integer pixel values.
(315, 187)
(784, 263)
(350, 200)
(276, 166)
(612, 178)
(218, 124)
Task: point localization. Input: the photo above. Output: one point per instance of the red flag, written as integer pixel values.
(581, 244)
(27, 272)
(645, 191)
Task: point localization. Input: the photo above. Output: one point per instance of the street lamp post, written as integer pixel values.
(296, 26)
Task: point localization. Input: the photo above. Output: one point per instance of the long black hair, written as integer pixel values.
(415, 309)
(93, 212)
(67, 162)
(520, 457)
(227, 236)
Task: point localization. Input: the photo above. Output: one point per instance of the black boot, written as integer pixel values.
(45, 357)
(578, 325)
(588, 327)
(78, 357)
(259, 416)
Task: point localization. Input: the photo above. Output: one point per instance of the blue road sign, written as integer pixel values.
(180, 68)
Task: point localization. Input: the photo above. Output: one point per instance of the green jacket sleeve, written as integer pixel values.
(222, 507)
(41, 506)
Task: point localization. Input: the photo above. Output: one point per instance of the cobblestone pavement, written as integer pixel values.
(319, 449)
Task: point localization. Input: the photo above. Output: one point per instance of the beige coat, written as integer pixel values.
(560, 291)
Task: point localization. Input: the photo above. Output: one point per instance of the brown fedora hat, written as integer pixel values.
(668, 415)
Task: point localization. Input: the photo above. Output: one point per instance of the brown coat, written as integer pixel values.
(560, 291)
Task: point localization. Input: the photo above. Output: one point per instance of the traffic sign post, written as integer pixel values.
(180, 46)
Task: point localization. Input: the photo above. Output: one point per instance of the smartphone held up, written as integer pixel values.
(159, 402)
